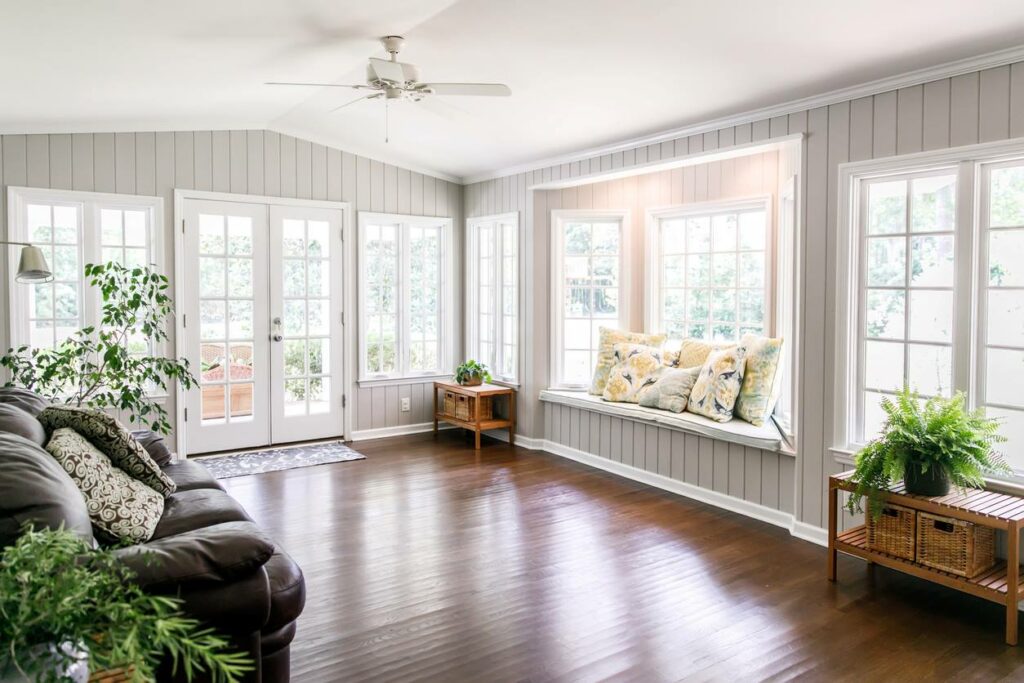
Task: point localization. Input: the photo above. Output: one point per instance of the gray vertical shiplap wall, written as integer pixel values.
(751, 474)
(256, 162)
(980, 106)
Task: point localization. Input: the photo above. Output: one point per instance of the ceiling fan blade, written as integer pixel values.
(358, 99)
(468, 89)
(321, 85)
(387, 70)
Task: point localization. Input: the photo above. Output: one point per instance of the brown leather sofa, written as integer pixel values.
(206, 550)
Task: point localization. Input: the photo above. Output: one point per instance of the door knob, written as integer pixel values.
(277, 336)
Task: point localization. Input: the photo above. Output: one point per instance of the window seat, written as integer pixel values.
(735, 431)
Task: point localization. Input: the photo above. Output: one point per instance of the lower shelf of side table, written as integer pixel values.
(990, 585)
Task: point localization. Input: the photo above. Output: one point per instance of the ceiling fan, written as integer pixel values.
(391, 79)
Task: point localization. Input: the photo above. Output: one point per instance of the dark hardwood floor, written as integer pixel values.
(427, 561)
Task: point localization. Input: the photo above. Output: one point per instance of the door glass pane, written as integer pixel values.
(226, 305)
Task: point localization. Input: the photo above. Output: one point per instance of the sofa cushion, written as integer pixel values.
(15, 420)
(287, 591)
(189, 475)
(121, 507)
(110, 436)
(190, 510)
(26, 399)
(35, 490)
(215, 554)
(154, 445)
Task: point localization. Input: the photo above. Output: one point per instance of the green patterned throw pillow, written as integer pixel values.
(636, 367)
(762, 380)
(110, 436)
(120, 506)
(718, 384)
(671, 390)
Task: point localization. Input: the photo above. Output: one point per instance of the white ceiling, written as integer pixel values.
(583, 72)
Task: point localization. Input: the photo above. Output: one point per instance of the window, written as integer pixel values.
(72, 229)
(588, 290)
(1001, 336)
(405, 296)
(492, 319)
(709, 269)
(930, 285)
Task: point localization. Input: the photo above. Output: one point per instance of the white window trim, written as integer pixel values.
(557, 280)
(472, 295)
(652, 252)
(968, 161)
(90, 203)
(789, 191)
(447, 336)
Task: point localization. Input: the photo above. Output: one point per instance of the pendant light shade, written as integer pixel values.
(32, 266)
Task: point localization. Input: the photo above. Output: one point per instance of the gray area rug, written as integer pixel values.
(257, 462)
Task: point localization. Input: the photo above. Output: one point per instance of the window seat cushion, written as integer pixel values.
(766, 437)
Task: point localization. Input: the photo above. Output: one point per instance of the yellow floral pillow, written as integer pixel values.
(606, 351)
(691, 353)
(762, 379)
(714, 394)
(638, 366)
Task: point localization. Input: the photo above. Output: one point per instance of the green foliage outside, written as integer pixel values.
(939, 432)
(55, 589)
(95, 366)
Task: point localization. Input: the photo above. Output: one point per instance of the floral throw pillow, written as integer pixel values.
(671, 390)
(120, 506)
(606, 352)
(718, 384)
(762, 379)
(110, 436)
(637, 366)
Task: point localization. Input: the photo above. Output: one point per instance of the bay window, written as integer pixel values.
(492, 297)
(588, 289)
(404, 296)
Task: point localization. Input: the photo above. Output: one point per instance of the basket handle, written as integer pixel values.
(890, 512)
(944, 527)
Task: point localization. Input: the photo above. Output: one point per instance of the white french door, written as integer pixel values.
(262, 327)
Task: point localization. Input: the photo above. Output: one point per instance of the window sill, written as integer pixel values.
(397, 381)
(735, 431)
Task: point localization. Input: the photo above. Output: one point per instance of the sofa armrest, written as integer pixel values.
(154, 445)
(220, 553)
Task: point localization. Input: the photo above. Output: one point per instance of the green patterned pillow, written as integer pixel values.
(671, 390)
(120, 506)
(714, 394)
(609, 337)
(636, 367)
(110, 436)
(762, 379)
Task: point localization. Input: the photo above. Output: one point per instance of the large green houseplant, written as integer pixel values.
(59, 598)
(110, 366)
(928, 445)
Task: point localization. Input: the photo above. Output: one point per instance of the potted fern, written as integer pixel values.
(472, 373)
(67, 610)
(929, 445)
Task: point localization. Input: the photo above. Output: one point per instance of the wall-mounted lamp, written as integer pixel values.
(32, 266)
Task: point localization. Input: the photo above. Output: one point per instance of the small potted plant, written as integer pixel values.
(471, 374)
(928, 445)
(67, 610)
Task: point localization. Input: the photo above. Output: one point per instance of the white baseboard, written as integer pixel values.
(757, 511)
(527, 442)
(399, 430)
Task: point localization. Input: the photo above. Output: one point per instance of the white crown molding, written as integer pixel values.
(360, 150)
(910, 78)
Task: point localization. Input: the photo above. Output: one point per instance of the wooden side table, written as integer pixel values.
(467, 410)
(1001, 584)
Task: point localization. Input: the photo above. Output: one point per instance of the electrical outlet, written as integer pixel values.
(405, 405)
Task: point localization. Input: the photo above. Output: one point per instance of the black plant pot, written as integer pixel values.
(934, 482)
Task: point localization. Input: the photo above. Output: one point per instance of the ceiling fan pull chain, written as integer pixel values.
(387, 122)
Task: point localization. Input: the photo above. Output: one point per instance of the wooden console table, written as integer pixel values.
(1001, 584)
(475, 422)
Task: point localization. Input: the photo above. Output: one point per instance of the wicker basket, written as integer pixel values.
(955, 546)
(119, 675)
(465, 407)
(894, 532)
(449, 403)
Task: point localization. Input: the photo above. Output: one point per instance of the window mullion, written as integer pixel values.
(969, 292)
